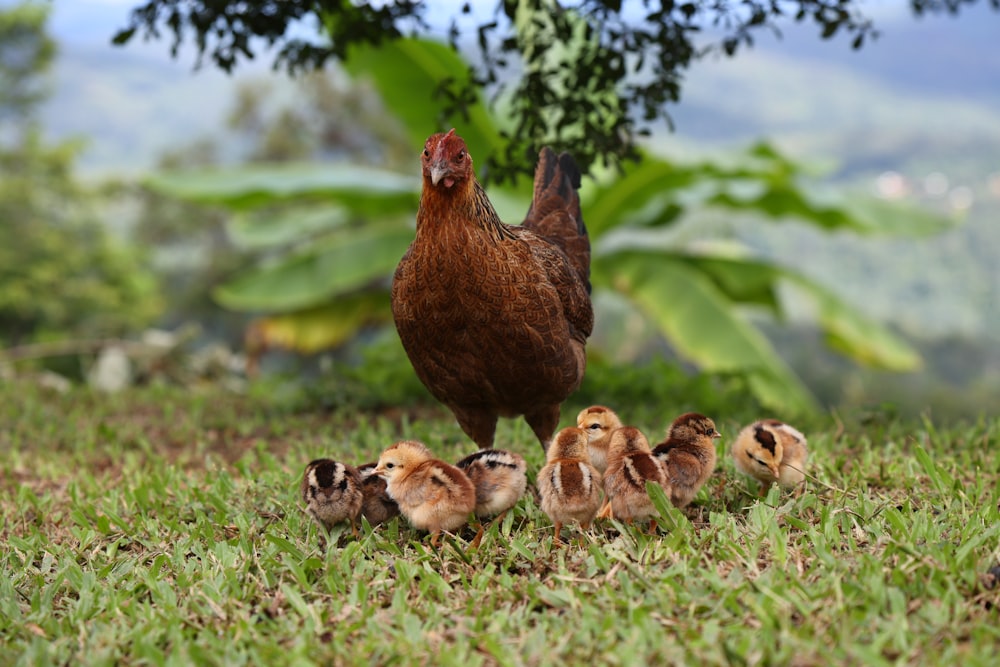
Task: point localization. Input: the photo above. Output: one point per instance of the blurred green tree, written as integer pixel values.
(61, 272)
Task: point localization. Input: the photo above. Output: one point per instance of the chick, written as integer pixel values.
(332, 493)
(569, 486)
(598, 422)
(688, 455)
(377, 506)
(499, 478)
(431, 494)
(771, 451)
(630, 465)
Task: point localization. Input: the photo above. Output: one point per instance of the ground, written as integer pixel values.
(164, 527)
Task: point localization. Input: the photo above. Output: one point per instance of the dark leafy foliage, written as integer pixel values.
(592, 75)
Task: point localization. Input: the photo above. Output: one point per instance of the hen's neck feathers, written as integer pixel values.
(465, 202)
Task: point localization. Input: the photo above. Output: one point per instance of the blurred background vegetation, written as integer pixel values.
(816, 232)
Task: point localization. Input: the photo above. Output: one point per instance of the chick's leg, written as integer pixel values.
(479, 535)
(556, 540)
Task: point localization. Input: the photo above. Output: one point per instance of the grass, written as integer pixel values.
(164, 528)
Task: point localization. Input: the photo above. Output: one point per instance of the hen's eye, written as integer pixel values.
(460, 156)
(427, 153)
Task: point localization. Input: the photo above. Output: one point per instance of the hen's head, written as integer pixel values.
(691, 427)
(446, 161)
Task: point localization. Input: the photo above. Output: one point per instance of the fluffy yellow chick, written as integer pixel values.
(376, 506)
(630, 465)
(499, 478)
(598, 422)
(688, 455)
(431, 494)
(771, 451)
(332, 493)
(569, 486)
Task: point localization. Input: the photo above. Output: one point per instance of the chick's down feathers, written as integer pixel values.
(495, 317)
(499, 477)
(376, 505)
(431, 494)
(771, 451)
(332, 493)
(630, 465)
(568, 485)
(598, 422)
(688, 455)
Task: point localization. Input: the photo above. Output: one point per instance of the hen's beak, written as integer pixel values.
(438, 172)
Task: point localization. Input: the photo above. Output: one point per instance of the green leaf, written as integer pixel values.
(408, 74)
(701, 323)
(260, 229)
(322, 328)
(362, 190)
(616, 203)
(741, 280)
(754, 282)
(854, 335)
(342, 263)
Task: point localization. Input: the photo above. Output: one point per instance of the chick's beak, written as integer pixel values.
(716, 435)
(379, 470)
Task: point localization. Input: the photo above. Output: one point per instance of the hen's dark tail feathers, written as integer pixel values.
(555, 209)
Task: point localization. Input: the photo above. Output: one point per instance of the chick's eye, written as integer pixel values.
(594, 427)
(390, 466)
(709, 431)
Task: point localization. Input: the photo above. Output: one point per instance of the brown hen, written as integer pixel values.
(495, 317)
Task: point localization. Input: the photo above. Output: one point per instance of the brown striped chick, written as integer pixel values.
(630, 465)
(499, 477)
(598, 422)
(431, 494)
(688, 455)
(569, 486)
(771, 451)
(377, 506)
(332, 493)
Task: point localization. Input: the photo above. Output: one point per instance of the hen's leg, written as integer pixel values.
(480, 425)
(544, 422)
